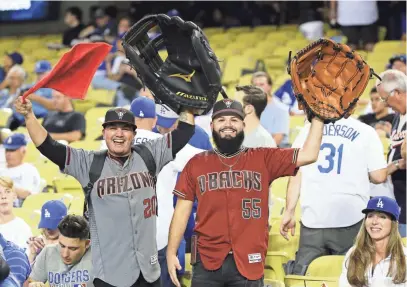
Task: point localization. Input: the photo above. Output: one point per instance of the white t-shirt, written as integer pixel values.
(205, 122)
(357, 13)
(25, 176)
(141, 137)
(3, 162)
(16, 231)
(339, 180)
(259, 137)
(379, 277)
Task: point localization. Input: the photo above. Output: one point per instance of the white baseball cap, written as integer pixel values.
(165, 116)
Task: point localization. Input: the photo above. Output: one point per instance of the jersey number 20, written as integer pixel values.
(150, 206)
(251, 208)
(331, 158)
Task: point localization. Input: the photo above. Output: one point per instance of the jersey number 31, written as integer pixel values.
(331, 160)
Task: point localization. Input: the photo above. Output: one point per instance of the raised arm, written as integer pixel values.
(51, 149)
(309, 152)
(183, 133)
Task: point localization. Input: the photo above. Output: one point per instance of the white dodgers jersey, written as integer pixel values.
(336, 188)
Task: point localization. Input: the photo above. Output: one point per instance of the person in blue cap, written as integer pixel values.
(52, 212)
(378, 257)
(25, 175)
(398, 62)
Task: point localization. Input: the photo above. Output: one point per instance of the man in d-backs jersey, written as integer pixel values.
(231, 185)
(392, 90)
(333, 191)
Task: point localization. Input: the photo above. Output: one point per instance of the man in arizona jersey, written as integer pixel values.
(231, 185)
(392, 90)
(350, 157)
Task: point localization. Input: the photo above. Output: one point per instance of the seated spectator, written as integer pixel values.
(380, 111)
(14, 82)
(103, 28)
(10, 60)
(25, 176)
(13, 228)
(398, 62)
(254, 103)
(41, 100)
(64, 123)
(275, 117)
(17, 261)
(73, 19)
(378, 257)
(69, 262)
(52, 212)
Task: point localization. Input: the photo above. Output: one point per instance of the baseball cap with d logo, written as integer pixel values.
(383, 204)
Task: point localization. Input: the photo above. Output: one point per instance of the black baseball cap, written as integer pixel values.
(228, 107)
(119, 115)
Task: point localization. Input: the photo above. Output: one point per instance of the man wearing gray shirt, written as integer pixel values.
(122, 202)
(68, 263)
(254, 103)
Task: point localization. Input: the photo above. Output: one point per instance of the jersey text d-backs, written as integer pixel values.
(232, 209)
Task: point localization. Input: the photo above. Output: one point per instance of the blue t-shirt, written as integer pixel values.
(39, 110)
(276, 119)
(18, 263)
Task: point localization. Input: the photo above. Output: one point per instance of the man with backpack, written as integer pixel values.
(119, 185)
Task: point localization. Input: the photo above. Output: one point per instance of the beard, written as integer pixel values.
(228, 145)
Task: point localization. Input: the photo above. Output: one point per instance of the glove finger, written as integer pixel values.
(207, 58)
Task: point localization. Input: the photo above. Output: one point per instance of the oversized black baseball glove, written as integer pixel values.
(189, 77)
(328, 79)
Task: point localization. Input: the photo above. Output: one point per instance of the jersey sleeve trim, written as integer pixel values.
(68, 155)
(295, 155)
(179, 194)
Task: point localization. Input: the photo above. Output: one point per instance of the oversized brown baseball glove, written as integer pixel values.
(328, 78)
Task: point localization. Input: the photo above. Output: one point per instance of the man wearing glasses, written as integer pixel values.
(392, 90)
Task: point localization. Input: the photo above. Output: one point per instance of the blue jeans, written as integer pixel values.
(102, 82)
(165, 276)
(402, 230)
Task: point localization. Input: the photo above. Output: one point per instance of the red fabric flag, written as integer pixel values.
(73, 73)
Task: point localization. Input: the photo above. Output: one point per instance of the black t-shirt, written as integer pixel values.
(59, 122)
(398, 178)
(370, 119)
(71, 34)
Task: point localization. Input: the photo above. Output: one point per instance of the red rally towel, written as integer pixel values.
(73, 73)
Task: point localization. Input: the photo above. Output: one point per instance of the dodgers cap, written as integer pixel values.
(15, 141)
(42, 67)
(143, 107)
(383, 204)
(52, 212)
(165, 116)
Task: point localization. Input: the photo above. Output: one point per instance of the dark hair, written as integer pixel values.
(254, 96)
(373, 90)
(76, 11)
(262, 74)
(74, 226)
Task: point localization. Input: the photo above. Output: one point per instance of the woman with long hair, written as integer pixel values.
(378, 257)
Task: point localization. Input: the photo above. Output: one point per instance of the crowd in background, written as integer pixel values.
(269, 117)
